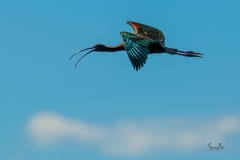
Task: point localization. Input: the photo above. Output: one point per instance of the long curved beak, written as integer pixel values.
(83, 55)
(80, 51)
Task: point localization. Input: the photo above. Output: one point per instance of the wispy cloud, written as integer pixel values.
(133, 138)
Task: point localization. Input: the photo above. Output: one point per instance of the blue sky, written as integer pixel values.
(103, 109)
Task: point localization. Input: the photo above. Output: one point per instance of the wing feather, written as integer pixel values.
(137, 48)
(148, 31)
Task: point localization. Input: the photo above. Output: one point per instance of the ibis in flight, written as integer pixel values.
(145, 40)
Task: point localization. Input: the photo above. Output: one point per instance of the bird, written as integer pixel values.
(143, 41)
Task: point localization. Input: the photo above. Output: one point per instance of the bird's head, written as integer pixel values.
(97, 48)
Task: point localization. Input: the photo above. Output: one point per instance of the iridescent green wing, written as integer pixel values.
(137, 48)
(148, 31)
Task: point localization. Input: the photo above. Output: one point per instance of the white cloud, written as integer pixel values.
(133, 138)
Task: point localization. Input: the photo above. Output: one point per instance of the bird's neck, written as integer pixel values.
(119, 47)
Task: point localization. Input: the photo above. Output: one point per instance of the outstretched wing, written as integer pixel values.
(137, 48)
(148, 31)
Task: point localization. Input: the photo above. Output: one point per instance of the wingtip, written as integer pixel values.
(129, 22)
(134, 25)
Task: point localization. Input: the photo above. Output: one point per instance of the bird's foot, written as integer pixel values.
(193, 54)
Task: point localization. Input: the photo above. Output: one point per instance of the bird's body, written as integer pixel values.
(145, 40)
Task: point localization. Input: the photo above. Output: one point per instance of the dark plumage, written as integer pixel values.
(145, 40)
